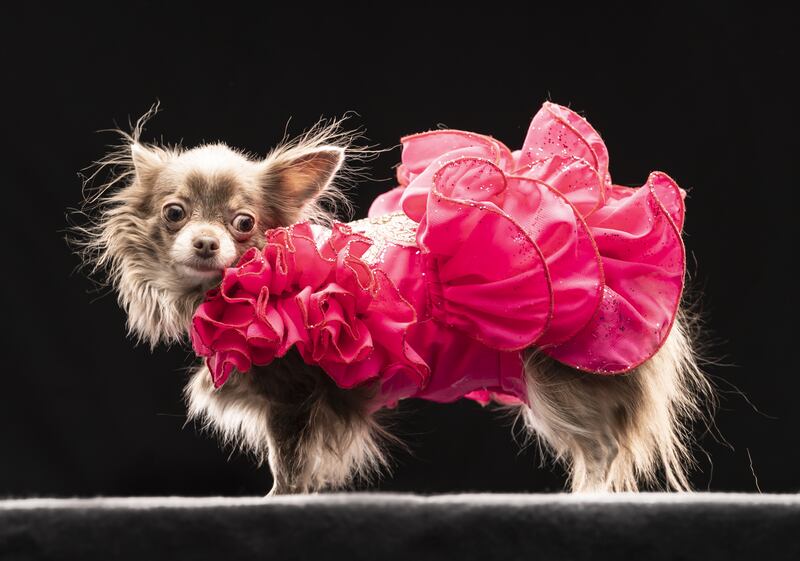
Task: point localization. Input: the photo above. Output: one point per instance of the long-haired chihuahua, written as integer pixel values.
(171, 219)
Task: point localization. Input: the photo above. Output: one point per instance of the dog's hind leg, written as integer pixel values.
(615, 432)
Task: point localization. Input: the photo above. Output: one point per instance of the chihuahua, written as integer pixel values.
(171, 219)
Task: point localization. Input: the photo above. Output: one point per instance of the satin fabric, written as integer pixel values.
(535, 247)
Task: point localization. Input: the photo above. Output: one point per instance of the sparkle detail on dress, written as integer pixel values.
(393, 228)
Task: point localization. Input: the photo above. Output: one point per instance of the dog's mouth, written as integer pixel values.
(200, 270)
(205, 268)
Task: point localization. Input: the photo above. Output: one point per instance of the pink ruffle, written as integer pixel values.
(612, 256)
(338, 311)
(488, 277)
(638, 235)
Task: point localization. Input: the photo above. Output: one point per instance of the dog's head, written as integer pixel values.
(184, 215)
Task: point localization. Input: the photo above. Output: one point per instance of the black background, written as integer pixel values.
(696, 93)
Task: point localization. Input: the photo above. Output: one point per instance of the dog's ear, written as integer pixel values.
(300, 173)
(147, 162)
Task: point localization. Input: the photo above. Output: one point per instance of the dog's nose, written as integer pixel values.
(205, 246)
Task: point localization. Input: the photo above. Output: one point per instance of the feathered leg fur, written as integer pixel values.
(314, 434)
(612, 432)
(615, 432)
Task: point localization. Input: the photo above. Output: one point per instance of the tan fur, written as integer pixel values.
(615, 432)
(314, 434)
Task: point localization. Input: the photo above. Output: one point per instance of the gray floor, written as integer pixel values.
(385, 526)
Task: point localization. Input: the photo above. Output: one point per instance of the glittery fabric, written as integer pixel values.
(479, 253)
(392, 229)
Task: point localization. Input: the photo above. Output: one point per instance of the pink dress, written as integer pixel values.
(479, 253)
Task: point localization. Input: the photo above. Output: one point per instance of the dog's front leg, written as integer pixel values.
(261, 412)
(289, 453)
(320, 436)
(313, 434)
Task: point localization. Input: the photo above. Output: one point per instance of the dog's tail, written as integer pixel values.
(616, 432)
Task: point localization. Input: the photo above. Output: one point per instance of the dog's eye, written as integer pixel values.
(174, 213)
(244, 223)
